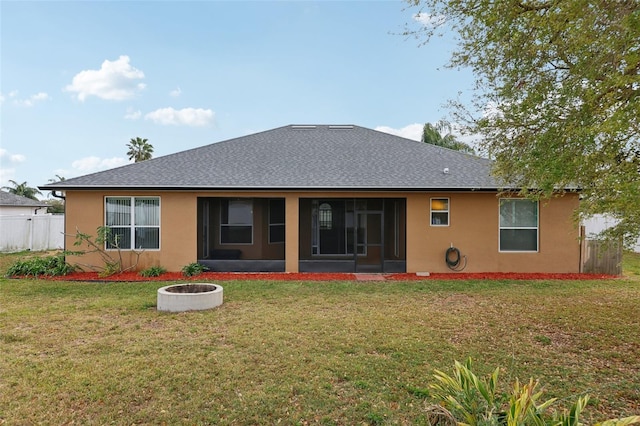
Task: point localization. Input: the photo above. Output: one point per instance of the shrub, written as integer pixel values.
(474, 401)
(193, 269)
(104, 238)
(153, 271)
(49, 266)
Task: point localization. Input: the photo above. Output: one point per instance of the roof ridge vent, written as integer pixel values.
(341, 127)
(302, 127)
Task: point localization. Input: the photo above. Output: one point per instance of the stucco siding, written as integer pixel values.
(473, 229)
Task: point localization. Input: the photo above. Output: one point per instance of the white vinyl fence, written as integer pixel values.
(36, 232)
(599, 223)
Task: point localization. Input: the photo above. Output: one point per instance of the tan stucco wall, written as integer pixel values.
(178, 221)
(473, 229)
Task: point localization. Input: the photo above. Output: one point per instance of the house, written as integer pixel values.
(17, 205)
(306, 198)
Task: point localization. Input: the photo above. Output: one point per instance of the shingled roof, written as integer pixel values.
(9, 199)
(332, 157)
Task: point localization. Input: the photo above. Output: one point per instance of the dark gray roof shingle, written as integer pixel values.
(302, 157)
(9, 199)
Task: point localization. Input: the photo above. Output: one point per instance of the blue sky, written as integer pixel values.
(80, 79)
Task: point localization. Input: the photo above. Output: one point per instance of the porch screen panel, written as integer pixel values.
(118, 220)
(276, 221)
(236, 222)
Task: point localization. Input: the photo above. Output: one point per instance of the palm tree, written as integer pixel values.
(58, 178)
(139, 149)
(22, 189)
(441, 134)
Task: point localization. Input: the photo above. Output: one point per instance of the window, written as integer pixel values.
(518, 225)
(236, 222)
(276, 221)
(134, 222)
(439, 212)
(325, 216)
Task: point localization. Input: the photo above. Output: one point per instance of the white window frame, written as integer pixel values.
(230, 200)
(132, 225)
(432, 211)
(537, 227)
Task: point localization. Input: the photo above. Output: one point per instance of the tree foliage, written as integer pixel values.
(55, 206)
(139, 149)
(441, 134)
(557, 94)
(22, 189)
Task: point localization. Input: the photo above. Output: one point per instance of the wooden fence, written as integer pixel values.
(600, 257)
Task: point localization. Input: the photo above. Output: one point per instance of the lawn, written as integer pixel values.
(296, 352)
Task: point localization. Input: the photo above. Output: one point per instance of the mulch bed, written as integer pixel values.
(288, 276)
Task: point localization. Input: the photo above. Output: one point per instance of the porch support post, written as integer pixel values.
(291, 231)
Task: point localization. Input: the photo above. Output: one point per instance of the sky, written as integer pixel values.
(80, 79)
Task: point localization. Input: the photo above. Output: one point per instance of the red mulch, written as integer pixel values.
(282, 276)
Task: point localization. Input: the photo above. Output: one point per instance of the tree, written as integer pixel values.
(55, 206)
(58, 178)
(139, 149)
(22, 189)
(557, 95)
(441, 134)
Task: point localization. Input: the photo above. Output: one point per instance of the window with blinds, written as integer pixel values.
(134, 222)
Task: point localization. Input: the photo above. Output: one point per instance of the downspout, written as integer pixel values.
(64, 226)
(62, 197)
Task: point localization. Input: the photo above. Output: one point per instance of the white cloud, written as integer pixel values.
(13, 158)
(115, 80)
(175, 93)
(33, 99)
(95, 164)
(6, 175)
(412, 131)
(194, 117)
(132, 115)
(28, 102)
(428, 20)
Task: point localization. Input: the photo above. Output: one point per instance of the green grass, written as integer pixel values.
(306, 353)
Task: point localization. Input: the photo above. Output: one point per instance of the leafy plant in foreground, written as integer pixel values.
(475, 401)
(37, 266)
(152, 271)
(193, 269)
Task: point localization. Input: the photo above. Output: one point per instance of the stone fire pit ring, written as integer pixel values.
(189, 297)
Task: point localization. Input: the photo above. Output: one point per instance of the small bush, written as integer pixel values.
(193, 269)
(49, 266)
(153, 271)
